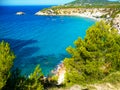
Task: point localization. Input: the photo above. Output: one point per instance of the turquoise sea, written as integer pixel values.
(39, 39)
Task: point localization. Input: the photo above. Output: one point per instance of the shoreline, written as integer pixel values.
(90, 17)
(92, 13)
(95, 14)
(59, 71)
(78, 15)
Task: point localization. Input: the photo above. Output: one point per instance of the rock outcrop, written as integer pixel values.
(20, 13)
(95, 12)
(116, 22)
(60, 73)
(47, 12)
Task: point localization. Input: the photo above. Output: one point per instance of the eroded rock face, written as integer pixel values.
(40, 13)
(74, 11)
(47, 12)
(61, 73)
(20, 13)
(116, 22)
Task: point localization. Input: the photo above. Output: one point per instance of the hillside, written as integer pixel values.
(90, 2)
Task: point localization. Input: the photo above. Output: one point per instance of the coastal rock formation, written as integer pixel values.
(60, 73)
(48, 12)
(94, 13)
(20, 13)
(40, 13)
(116, 22)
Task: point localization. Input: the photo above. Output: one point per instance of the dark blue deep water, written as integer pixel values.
(39, 39)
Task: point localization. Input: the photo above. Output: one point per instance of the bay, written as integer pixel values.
(39, 39)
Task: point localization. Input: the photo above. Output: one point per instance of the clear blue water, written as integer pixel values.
(39, 39)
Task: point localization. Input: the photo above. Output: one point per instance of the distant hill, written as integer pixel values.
(89, 2)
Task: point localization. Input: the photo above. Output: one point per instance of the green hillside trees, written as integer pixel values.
(6, 62)
(94, 57)
(34, 82)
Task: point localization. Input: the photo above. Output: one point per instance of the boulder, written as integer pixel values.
(20, 13)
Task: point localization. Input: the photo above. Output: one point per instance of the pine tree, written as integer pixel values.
(6, 62)
(94, 57)
(34, 82)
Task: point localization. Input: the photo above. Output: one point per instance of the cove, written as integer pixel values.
(39, 39)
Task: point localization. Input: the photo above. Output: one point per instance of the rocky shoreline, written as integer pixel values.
(93, 13)
(60, 73)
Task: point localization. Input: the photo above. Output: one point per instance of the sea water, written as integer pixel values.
(39, 39)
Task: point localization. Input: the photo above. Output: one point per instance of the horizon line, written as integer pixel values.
(33, 5)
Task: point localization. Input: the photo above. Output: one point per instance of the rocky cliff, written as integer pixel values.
(116, 22)
(95, 12)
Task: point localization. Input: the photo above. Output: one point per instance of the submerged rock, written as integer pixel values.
(20, 13)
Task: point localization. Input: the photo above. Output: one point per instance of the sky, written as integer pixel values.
(35, 2)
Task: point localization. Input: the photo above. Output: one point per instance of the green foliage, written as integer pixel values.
(34, 82)
(94, 57)
(93, 3)
(77, 2)
(18, 82)
(6, 62)
(114, 8)
(115, 12)
(113, 78)
(15, 81)
(37, 74)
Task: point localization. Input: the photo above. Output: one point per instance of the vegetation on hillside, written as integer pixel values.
(112, 9)
(88, 1)
(18, 82)
(6, 62)
(92, 2)
(95, 57)
(87, 4)
(112, 6)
